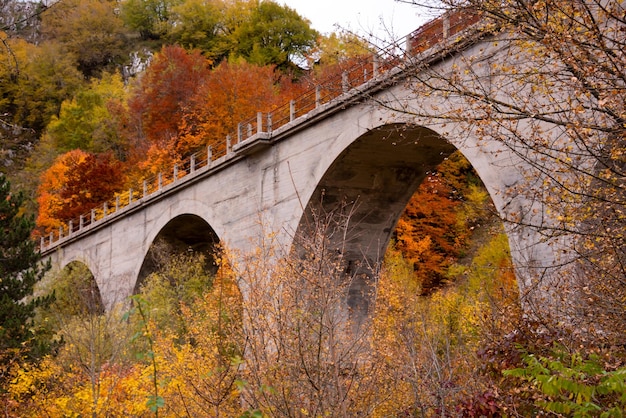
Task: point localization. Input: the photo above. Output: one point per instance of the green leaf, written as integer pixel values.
(155, 402)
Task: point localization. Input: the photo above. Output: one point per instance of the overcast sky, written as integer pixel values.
(379, 17)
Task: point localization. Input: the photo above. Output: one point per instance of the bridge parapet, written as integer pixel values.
(451, 24)
(364, 76)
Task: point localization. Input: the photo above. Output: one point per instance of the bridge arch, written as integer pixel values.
(371, 180)
(79, 291)
(182, 228)
(83, 258)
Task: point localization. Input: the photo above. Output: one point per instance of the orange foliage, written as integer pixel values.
(429, 233)
(426, 231)
(233, 92)
(76, 183)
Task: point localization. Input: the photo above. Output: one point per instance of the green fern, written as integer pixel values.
(572, 385)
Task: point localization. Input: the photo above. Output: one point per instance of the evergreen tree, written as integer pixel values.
(20, 269)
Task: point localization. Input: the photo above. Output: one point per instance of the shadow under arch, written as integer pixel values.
(77, 291)
(366, 189)
(183, 234)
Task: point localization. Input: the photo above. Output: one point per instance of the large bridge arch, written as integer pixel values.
(371, 180)
(377, 161)
(85, 259)
(377, 174)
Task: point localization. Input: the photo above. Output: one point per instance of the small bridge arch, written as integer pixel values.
(183, 233)
(79, 292)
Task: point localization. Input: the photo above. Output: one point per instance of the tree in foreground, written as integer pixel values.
(19, 271)
(546, 83)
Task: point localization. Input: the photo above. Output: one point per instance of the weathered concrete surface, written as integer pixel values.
(350, 150)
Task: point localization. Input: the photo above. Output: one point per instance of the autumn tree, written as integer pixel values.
(554, 100)
(435, 346)
(76, 183)
(85, 121)
(90, 30)
(46, 77)
(35, 80)
(91, 365)
(158, 103)
(232, 93)
(437, 223)
(308, 351)
(274, 35)
(336, 48)
(150, 18)
(201, 25)
(194, 320)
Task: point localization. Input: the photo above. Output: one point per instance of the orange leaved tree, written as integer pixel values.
(76, 183)
(234, 92)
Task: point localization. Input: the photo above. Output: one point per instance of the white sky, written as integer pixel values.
(386, 19)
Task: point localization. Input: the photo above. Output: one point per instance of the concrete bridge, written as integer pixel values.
(339, 141)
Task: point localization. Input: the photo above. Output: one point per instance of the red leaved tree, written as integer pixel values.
(160, 100)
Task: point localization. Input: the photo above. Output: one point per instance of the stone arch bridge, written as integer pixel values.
(339, 140)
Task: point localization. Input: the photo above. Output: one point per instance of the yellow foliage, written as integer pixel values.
(431, 342)
(195, 324)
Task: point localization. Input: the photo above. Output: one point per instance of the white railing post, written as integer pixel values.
(160, 180)
(269, 122)
(117, 203)
(105, 209)
(51, 238)
(42, 243)
(70, 227)
(192, 163)
(318, 96)
(239, 132)
(145, 188)
(209, 155)
(93, 216)
(81, 222)
(292, 110)
(375, 66)
(60, 232)
(259, 122)
(175, 172)
(249, 130)
(345, 86)
(229, 142)
(130, 196)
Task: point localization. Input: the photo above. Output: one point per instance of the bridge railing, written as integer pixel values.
(365, 70)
